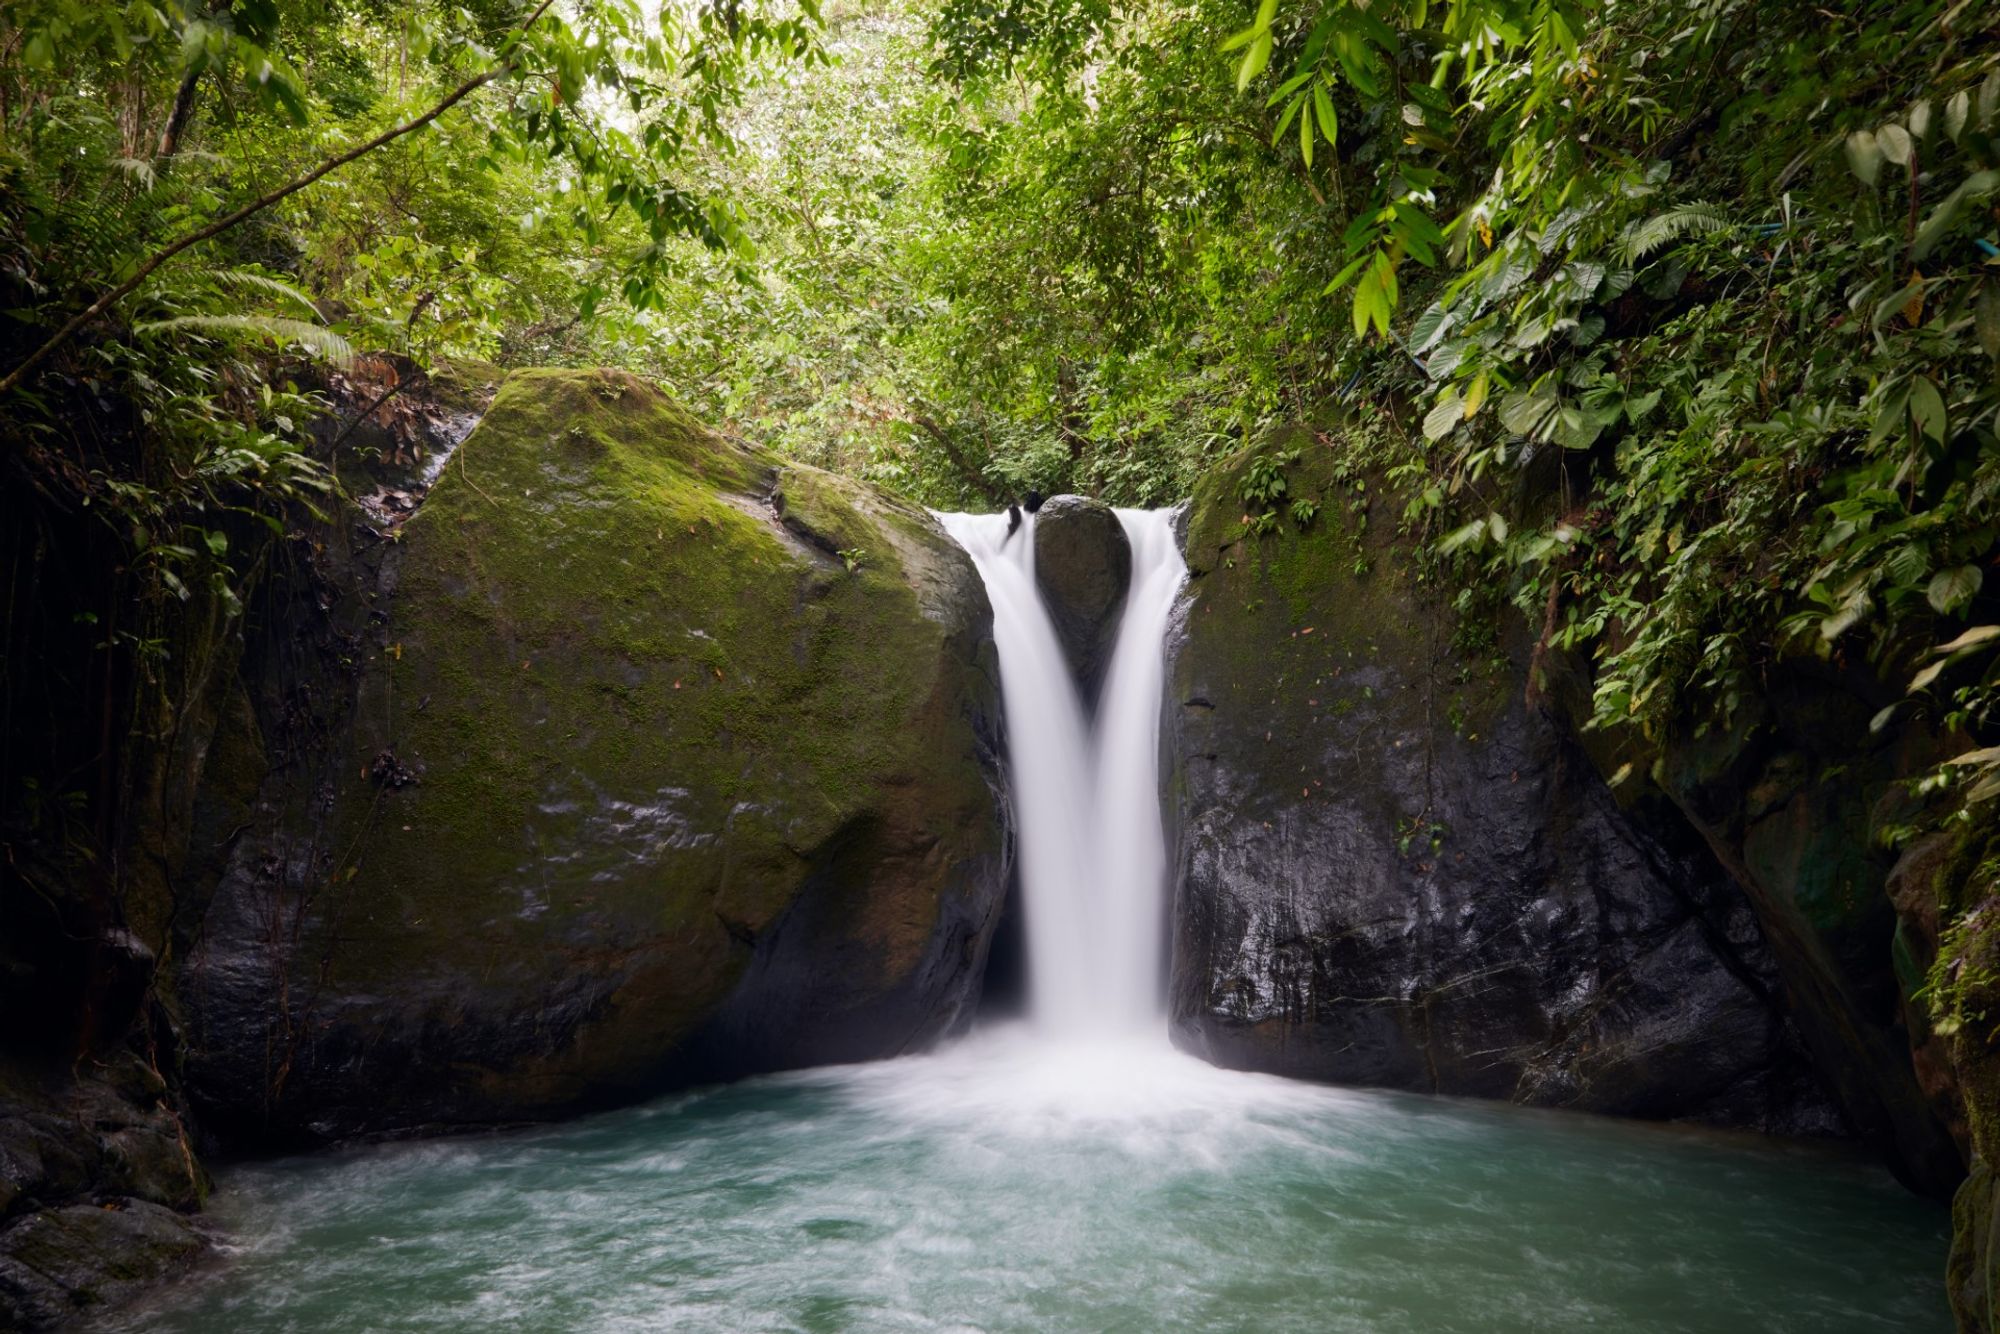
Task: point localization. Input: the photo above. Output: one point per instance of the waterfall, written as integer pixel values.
(1086, 797)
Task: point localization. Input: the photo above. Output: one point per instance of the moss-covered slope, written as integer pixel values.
(664, 761)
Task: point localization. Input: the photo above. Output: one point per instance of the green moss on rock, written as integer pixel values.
(630, 725)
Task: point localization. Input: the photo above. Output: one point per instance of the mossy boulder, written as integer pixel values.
(664, 761)
(1393, 869)
(1083, 568)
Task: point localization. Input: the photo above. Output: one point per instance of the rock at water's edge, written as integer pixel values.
(60, 1264)
(1392, 871)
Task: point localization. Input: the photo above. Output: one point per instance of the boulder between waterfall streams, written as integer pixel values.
(1083, 569)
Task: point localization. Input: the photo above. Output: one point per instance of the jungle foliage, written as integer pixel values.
(1674, 321)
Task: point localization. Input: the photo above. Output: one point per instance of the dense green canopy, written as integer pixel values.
(1671, 322)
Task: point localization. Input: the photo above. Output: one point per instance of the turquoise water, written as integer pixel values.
(1005, 1185)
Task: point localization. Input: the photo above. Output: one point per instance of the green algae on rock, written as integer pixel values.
(666, 761)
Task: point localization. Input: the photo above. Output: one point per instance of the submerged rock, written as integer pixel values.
(666, 761)
(1391, 870)
(1083, 567)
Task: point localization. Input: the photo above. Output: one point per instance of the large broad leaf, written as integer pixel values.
(1443, 416)
(1430, 326)
(1894, 141)
(1864, 156)
(1951, 589)
(1523, 413)
(1927, 406)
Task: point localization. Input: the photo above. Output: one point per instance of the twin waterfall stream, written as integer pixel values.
(1070, 1171)
(1086, 798)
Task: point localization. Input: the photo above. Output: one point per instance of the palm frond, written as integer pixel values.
(1643, 238)
(262, 282)
(317, 339)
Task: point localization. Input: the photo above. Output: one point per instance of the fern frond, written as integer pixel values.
(140, 170)
(317, 339)
(262, 283)
(1643, 238)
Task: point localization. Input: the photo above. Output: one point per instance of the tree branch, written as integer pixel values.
(145, 270)
(958, 461)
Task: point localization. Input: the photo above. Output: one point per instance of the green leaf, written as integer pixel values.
(1889, 418)
(1523, 413)
(1951, 589)
(1430, 326)
(1444, 415)
(1864, 156)
(1342, 278)
(1955, 113)
(1973, 638)
(1894, 141)
(1844, 617)
(1927, 407)
(1287, 88)
(1254, 60)
(1329, 123)
(1463, 536)
(1986, 318)
(1972, 189)
(321, 342)
(1238, 40)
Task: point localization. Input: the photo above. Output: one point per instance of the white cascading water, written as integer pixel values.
(1086, 800)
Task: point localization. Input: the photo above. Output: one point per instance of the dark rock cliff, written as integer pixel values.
(1392, 869)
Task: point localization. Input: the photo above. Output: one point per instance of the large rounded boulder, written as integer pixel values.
(659, 760)
(1083, 568)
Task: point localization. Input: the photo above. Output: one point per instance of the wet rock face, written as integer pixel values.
(1392, 871)
(1083, 567)
(61, 1264)
(95, 1174)
(657, 761)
